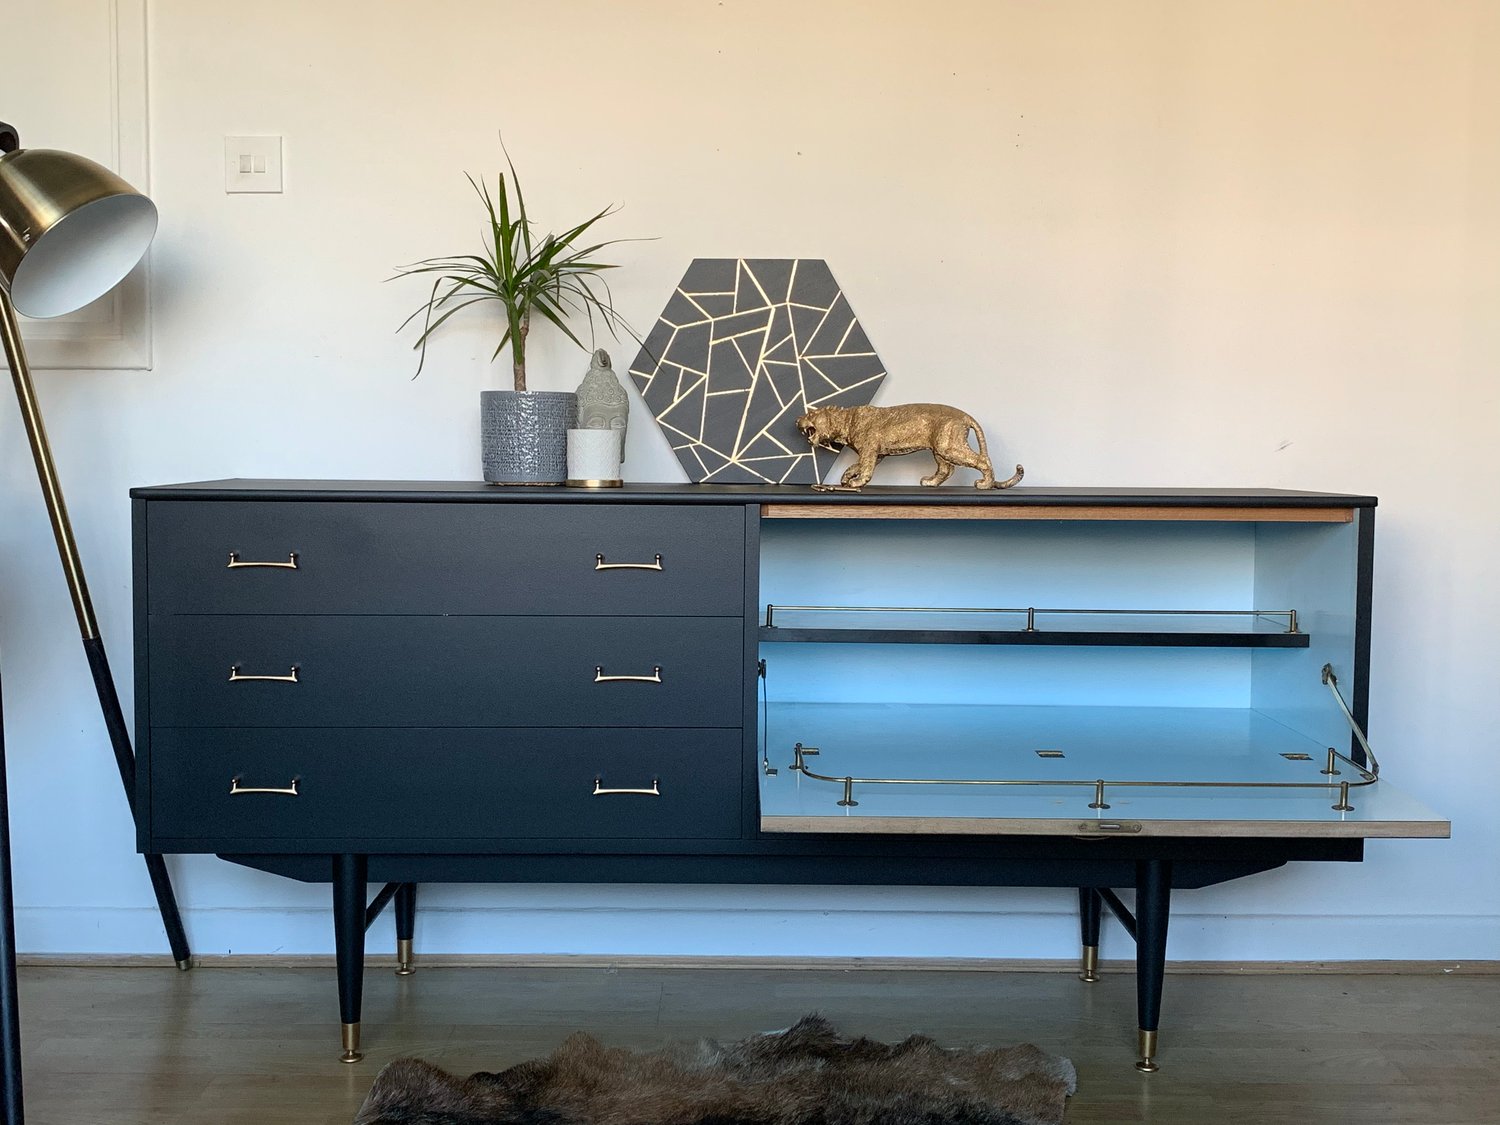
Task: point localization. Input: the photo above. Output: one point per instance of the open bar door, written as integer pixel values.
(939, 769)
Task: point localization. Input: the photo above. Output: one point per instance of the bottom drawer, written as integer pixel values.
(472, 784)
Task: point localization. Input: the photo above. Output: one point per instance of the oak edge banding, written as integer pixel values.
(1056, 512)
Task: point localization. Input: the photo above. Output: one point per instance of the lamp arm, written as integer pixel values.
(41, 452)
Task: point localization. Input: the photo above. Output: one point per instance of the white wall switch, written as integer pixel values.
(252, 164)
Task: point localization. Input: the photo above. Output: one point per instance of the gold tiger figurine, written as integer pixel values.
(877, 432)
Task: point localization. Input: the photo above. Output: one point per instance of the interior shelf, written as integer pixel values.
(1032, 626)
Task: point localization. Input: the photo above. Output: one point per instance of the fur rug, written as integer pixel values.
(806, 1075)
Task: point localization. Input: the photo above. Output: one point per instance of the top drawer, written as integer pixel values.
(425, 558)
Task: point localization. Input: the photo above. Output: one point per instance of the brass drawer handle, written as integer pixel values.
(601, 678)
(238, 790)
(237, 677)
(654, 791)
(236, 564)
(600, 564)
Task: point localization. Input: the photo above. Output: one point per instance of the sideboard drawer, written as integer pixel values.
(241, 670)
(376, 786)
(427, 558)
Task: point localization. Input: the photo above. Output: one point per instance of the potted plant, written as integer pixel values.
(523, 433)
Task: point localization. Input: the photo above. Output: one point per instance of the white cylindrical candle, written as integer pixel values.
(594, 458)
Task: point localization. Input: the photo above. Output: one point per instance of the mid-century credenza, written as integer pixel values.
(411, 682)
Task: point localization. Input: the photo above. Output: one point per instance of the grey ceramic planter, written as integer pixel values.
(523, 435)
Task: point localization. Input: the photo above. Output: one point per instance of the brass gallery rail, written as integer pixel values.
(1368, 775)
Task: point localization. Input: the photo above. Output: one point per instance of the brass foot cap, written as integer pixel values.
(352, 1053)
(185, 964)
(351, 1056)
(1146, 1043)
(1090, 973)
(405, 969)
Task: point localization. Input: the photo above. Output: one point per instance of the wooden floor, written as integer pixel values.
(243, 1045)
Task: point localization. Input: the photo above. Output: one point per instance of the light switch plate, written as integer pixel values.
(252, 164)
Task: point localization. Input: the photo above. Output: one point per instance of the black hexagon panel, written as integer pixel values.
(743, 348)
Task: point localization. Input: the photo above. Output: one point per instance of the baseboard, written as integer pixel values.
(839, 964)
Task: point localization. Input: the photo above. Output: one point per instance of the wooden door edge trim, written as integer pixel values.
(1162, 512)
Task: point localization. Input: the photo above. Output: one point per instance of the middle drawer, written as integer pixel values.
(308, 671)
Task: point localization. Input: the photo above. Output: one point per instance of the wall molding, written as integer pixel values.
(115, 331)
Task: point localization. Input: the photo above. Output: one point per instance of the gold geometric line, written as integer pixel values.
(748, 332)
(844, 390)
(685, 324)
(794, 466)
(768, 457)
(651, 375)
(695, 304)
(758, 285)
(844, 339)
(696, 383)
(765, 431)
(757, 372)
(824, 319)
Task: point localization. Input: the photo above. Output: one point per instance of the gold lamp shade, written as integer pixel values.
(70, 230)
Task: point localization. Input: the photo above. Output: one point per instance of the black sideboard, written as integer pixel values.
(408, 682)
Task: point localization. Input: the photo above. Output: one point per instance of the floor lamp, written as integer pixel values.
(70, 230)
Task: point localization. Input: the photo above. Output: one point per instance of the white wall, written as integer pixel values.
(1145, 243)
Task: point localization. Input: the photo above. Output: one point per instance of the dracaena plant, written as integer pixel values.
(554, 277)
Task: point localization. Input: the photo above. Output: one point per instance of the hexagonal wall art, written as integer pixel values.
(743, 348)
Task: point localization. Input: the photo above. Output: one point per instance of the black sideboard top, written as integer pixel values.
(646, 493)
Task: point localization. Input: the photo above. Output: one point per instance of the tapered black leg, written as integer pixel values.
(1153, 896)
(406, 926)
(10, 1016)
(119, 740)
(1089, 909)
(349, 940)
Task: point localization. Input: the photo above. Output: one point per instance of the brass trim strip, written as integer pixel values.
(1011, 511)
(237, 677)
(601, 678)
(600, 564)
(600, 791)
(236, 564)
(238, 790)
